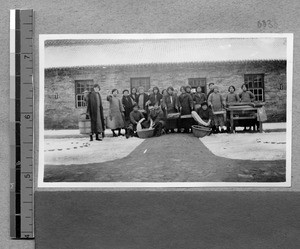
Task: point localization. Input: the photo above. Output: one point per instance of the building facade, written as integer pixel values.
(64, 86)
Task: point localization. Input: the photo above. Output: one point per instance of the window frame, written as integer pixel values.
(81, 95)
(140, 78)
(203, 87)
(259, 89)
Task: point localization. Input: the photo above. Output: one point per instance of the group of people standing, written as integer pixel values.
(137, 107)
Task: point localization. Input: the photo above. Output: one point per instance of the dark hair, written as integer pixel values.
(187, 88)
(211, 84)
(230, 87)
(133, 88)
(125, 91)
(204, 103)
(113, 90)
(245, 86)
(96, 85)
(134, 105)
(170, 87)
(156, 89)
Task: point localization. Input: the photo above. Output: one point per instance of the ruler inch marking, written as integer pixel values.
(21, 117)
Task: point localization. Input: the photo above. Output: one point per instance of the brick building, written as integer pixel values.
(73, 66)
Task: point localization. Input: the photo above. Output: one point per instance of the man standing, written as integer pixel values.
(95, 111)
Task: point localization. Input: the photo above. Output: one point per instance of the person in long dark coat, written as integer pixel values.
(170, 105)
(128, 106)
(95, 111)
(155, 97)
(170, 101)
(198, 97)
(185, 102)
(134, 94)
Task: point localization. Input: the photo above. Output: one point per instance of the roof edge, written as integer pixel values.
(166, 64)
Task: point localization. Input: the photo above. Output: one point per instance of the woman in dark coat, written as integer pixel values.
(134, 94)
(198, 97)
(155, 97)
(170, 101)
(128, 106)
(95, 111)
(185, 102)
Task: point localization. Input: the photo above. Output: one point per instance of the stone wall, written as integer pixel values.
(61, 112)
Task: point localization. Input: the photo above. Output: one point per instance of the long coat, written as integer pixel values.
(95, 111)
(199, 98)
(215, 100)
(134, 97)
(186, 103)
(146, 98)
(155, 98)
(232, 98)
(128, 107)
(115, 113)
(170, 103)
(247, 96)
(157, 115)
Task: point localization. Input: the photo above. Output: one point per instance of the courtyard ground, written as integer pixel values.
(169, 158)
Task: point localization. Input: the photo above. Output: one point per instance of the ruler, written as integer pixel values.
(21, 124)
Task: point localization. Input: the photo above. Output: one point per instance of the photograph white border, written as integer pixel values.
(289, 72)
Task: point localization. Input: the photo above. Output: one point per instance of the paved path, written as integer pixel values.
(170, 158)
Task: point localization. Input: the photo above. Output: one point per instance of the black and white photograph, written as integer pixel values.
(165, 110)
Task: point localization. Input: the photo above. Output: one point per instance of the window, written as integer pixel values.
(80, 87)
(195, 82)
(137, 82)
(255, 84)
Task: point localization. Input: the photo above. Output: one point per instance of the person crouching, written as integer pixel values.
(135, 117)
(203, 116)
(157, 116)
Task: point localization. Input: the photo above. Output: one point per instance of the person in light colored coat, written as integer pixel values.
(116, 113)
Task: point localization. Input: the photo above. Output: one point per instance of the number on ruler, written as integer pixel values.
(27, 176)
(27, 116)
(26, 56)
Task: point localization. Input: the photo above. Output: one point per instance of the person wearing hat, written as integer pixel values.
(216, 102)
(95, 111)
(203, 116)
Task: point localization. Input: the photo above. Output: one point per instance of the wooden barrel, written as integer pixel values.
(84, 124)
